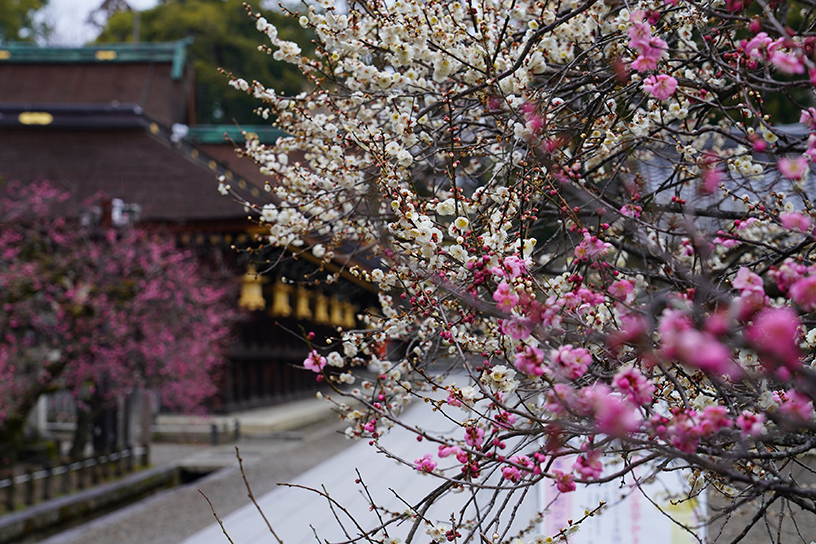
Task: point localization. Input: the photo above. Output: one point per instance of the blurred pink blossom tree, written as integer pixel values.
(84, 304)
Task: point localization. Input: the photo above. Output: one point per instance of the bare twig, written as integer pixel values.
(223, 529)
(252, 497)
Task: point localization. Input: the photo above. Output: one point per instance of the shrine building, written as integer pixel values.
(119, 118)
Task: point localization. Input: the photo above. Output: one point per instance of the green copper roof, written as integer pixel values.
(175, 52)
(214, 134)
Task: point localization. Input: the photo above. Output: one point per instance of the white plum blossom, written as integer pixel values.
(269, 213)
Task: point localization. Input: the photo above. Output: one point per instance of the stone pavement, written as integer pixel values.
(170, 516)
(298, 516)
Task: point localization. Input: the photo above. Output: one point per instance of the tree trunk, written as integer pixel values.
(11, 429)
(82, 433)
(11, 438)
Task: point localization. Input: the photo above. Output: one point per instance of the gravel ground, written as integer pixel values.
(172, 515)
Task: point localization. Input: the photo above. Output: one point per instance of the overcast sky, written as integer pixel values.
(68, 19)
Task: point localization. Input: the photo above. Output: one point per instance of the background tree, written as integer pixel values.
(100, 311)
(18, 23)
(590, 233)
(224, 38)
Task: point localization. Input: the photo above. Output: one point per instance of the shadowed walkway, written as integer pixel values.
(172, 515)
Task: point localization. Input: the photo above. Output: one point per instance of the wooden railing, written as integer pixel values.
(33, 486)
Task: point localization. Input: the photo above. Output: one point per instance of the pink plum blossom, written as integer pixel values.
(564, 482)
(788, 273)
(703, 350)
(795, 221)
(650, 48)
(794, 405)
(547, 313)
(530, 361)
(425, 463)
(748, 282)
(560, 398)
(810, 152)
(639, 32)
(727, 240)
(456, 451)
(757, 47)
(623, 290)
(314, 362)
(751, 424)
(515, 266)
(718, 323)
(631, 210)
(504, 419)
(808, 118)
(506, 297)
(713, 419)
(787, 63)
(803, 292)
(534, 124)
(634, 385)
(518, 328)
(590, 297)
(474, 436)
(511, 473)
(570, 362)
(774, 333)
(694, 347)
(661, 86)
(644, 63)
(793, 169)
(588, 465)
(710, 179)
(632, 330)
(653, 49)
(591, 247)
(612, 415)
(672, 324)
(742, 225)
(657, 426)
(683, 431)
(92, 309)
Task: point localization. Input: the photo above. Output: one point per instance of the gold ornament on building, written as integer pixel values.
(321, 313)
(280, 300)
(302, 310)
(349, 319)
(35, 118)
(337, 318)
(252, 298)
